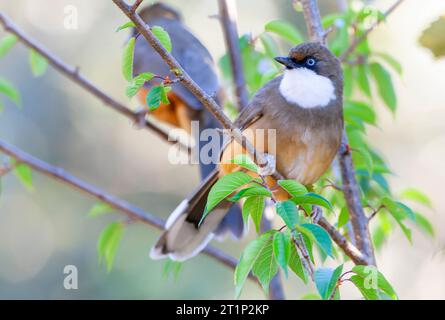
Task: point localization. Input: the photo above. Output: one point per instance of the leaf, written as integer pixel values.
(100, 209)
(362, 79)
(255, 190)
(384, 85)
(281, 249)
(320, 236)
(126, 25)
(10, 91)
(424, 224)
(416, 196)
(254, 207)
(108, 243)
(333, 282)
(6, 43)
(269, 45)
(295, 264)
(322, 278)
(286, 30)
(127, 59)
(310, 296)
(38, 63)
(265, 267)
(172, 267)
(368, 293)
(293, 187)
(367, 157)
(343, 217)
(248, 258)
(359, 110)
(156, 96)
(433, 37)
(391, 61)
(288, 212)
(224, 187)
(382, 283)
(137, 83)
(24, 174)
(245, 161)
(163, 37)
(348, 80)
(312, 199)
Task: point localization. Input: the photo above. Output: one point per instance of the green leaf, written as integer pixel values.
(295, 264)
(138, 83)
(269, 45)
(362, 79)
(348, 80)
(399, 212)
(322, 278)
(320, 236)
(333, 282)
(24, 173)
(100, 209)
(312, 199)
(255, 190)
(127, 59)
(6, 43)
(384, 85)
(368, 293)
(243, 160)
(359, 110)
(126, 25)
(367, 157)
(293, 187)
(288, 212)
(382, 283)
(343, 217)
(10, 91)
(163, 37)
(249, 256)
(38, 63)
(265, 267)
(416, 196)
(310, 296)
(156, 96)
(286, 30)
(281, 249)
(391, 61)
(172, 267)
(108, 243)
(424, 224)
(224, 187)
(254, 207)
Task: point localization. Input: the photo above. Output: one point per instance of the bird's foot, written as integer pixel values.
(270, 167)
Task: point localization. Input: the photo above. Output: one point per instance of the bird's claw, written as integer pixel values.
(269, 168)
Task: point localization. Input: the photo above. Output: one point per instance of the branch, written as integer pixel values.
(205, 99)
(350, 186)
(227, 17)
(120, 205)
(73, 74)
(363, 37)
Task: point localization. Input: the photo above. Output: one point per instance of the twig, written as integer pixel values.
(212, 106)
(375, 211)
(227, 17)
(131, 211)
(73, 74)
(363, 37)
(136, 4)
(350, 187)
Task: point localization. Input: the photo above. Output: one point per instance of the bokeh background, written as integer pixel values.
(43, 230)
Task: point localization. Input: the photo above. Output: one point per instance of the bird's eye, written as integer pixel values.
(310, 62)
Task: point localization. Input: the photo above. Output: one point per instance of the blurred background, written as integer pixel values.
(43, 230)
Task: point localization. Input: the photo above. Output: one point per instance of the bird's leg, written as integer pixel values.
(269, 168)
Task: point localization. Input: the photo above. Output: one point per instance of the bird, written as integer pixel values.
(304, 107)
(184, 107)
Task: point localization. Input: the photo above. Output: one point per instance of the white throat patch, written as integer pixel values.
(306, 88)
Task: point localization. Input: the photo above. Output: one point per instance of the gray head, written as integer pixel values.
(313, 56)
(159, 10)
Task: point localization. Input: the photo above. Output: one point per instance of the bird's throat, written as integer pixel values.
(306, 89)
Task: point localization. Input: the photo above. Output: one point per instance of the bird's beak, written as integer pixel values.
(286, 61)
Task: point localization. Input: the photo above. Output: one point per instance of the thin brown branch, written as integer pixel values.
(131, 211)
(363, 37)
(375, 211)
(350, 186)
(210, 103)
(227, 17)
(136, 5)
(73, 74)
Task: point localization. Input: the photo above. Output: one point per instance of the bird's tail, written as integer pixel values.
(184, 237)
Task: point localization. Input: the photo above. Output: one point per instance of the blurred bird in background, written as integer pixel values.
(184, 107)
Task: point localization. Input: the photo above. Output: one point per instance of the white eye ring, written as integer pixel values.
(310, 62)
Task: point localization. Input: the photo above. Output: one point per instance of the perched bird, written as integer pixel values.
(304, 106)
(184, 107)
